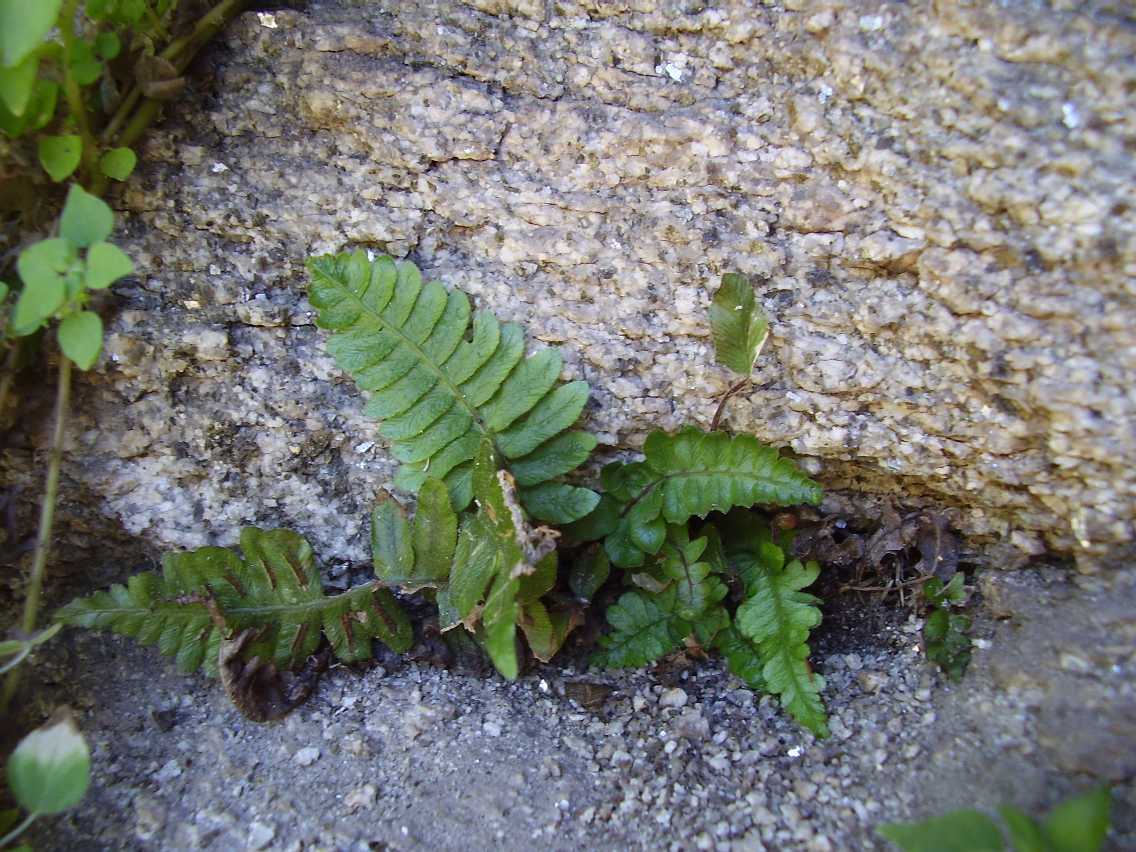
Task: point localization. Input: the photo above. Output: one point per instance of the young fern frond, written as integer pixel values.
(683, 475)
(501, 568)
(682, 602)
(204, 596)
(776, 618)
(645, 627)
(441, 381)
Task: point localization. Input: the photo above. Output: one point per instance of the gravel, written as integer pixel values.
(679, 756)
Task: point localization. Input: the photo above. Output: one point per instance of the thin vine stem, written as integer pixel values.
(72, 92)
(46, 518)
(19, 829)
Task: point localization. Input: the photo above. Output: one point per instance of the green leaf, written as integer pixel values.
(85, 66)
(118, 163)
(17, 84)
(107, 44)
(696, 589)
(81, 338)
(418, 555)
(4, 290)
(85, 220)
(23, 26)
(588, 574)
(558, 502)
(106, 263)
(777, 617)
(1025, 834)
(545, 630)
(742, 658)
(212, 593)
(39, 111)
(60, 155)
(738, 325)
(645, 628)
(42, 267)
(947, 643)
(442, 380)
(1080, 823)
(958, 831)
(695, 473)
(496, 551)
(51, 767)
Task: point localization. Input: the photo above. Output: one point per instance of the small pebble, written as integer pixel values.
(673, 698)
(306, 756)
(260, 835)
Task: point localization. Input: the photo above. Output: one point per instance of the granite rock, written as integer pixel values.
(934, 200)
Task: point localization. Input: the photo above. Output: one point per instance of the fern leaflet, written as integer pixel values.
(738, 325)
(416, 554)
(441, 381)
(210, 594)
(777, 617)
(683, 475)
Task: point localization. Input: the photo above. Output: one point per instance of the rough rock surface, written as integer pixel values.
(935, 201)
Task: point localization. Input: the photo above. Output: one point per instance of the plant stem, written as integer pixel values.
(72, 92)
(722, 403)
(132, 119)
(46, 518)
(18, 830)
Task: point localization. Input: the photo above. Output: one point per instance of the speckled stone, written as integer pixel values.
(934, 200)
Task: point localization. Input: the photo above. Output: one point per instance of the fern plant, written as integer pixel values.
(443, 379)
(682, 476)
(678, 603)
(489, 575)
(208, 595)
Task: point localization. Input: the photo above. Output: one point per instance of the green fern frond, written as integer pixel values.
(442, 380)
(737, 324)
(696, 587)
(777, 618)
(683, 475)
(209, 594)
(645, 628)
(501, 567)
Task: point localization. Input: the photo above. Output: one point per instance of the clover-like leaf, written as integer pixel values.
(43, 268)
(17, 84)
(60, 155)
(118, 163)
(81, 338)
(86, 219)
(23, 27)
(51, 767)
(106, 263)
